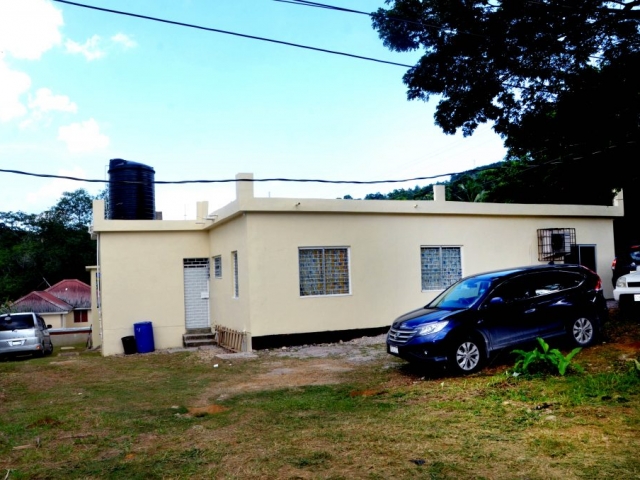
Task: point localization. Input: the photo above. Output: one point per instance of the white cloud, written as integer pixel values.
(83, 137)
(28, 28)
(89, 49)
(124, 40)
(46, 101)
(14, 84)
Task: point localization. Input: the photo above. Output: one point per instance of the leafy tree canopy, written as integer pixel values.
(558, 80)
(41, 249)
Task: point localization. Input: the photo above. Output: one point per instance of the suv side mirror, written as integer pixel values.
(495, 301)
(48, 326)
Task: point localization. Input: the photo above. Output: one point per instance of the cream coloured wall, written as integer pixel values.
(56, 320)
(69, 323)
(385, 262)
(142, 280)
(142, 277)
(226, 310)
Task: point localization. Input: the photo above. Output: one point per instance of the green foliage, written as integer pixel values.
(559, 84)
(417, 193)
(544, 360)
(517, 180)
(41, 249)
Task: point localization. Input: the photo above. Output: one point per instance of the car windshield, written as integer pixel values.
(463, 294)
(16, 322)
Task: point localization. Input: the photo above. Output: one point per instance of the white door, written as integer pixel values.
(196, 292)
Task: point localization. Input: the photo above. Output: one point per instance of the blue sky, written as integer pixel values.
(79, 87)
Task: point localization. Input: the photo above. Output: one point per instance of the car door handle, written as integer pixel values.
(531, 310)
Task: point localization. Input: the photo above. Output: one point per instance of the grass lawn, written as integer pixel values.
(174, 415)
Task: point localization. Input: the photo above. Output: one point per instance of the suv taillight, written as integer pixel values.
(613, 264)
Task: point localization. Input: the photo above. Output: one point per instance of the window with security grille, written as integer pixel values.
(236, 288)
(324, 271)
(217, 267)
(440, 267)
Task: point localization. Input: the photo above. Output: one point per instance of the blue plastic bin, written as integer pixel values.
(143, 331)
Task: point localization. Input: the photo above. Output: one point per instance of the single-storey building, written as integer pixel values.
(67, 304)
(265, 267)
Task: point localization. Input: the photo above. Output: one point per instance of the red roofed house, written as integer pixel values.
(66, 304)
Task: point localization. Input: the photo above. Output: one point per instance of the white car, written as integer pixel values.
(627, 291)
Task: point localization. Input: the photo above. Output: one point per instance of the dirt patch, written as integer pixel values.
(366, 393)
(46, 421)
(322, 364)
(208, 410)
(276, 375)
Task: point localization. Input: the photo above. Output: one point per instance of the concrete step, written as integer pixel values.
(198, 336)
(198, 330)
(200, 343)
(198, 339)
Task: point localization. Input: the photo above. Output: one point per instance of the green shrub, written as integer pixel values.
(545, 360)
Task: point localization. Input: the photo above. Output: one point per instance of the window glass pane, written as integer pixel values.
(430, 257)
(217, 267)
(336, 271)
(451, 266)
(440, 267)
(324, 271)
(236, 288)
(311, 272)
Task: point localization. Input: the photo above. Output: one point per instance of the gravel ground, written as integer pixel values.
(356, 349)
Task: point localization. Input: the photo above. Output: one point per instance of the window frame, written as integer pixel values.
(441, 285)
(217, 266)
(236, 286)
(324, 289)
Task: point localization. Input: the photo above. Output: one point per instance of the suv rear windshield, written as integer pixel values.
(16, 322)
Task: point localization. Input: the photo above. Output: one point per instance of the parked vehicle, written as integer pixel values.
(24, 333)
(484, 313)
(627, 291)
(626, 263)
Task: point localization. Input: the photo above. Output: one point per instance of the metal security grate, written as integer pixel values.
(555, 243)
(236, 286)
(324, 271)
(196, 292)
(217, 267)
(440, 267)
(195, 262)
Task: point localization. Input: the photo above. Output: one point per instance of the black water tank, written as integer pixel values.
(131, 191)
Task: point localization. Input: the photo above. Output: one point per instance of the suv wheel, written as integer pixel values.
(582, 332)
(466, 355)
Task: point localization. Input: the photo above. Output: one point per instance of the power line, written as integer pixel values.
(227, 32)
(305, 3)
(232, 180)
(312, 180)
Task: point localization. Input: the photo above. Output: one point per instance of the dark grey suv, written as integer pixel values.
(491, 311)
